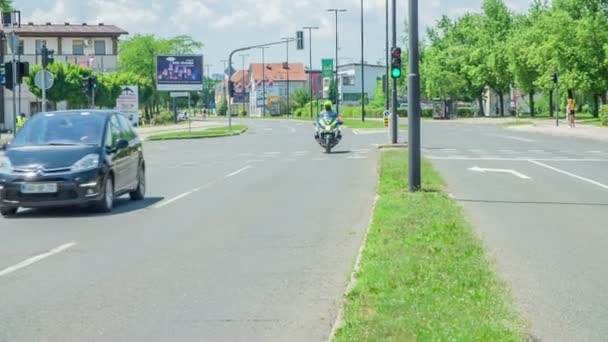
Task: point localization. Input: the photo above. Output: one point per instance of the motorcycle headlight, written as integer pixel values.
(5, 165)
(327, 127)
(89, 162)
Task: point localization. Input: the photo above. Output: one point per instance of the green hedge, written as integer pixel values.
(465, 112)
(162, 118)
(604, 115)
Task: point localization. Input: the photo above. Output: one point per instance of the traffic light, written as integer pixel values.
(47, 57)
(89, 84)
(85, 85)
(300, 40)
(554, 78)
(23, 69)
(396, 62)
(8, 75)
(230, 89)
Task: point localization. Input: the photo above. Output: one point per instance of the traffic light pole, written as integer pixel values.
(44, 58)
(414, 100)
(394, 121)
(14, 45)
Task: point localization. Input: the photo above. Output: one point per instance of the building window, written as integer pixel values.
(39, 44)
(348, 80)
(100, 47)
(21, 47)
(78, 47)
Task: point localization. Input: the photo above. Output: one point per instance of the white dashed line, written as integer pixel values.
(232, 174)
(255, 161)
(591, 181)
(37, 258)
(169, 201)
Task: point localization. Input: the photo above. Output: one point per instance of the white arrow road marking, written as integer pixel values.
(37, 258)
(513, 172)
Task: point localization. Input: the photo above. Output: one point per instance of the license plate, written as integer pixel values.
(38, 188)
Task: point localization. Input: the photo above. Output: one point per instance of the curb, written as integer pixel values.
(392, 146)
(234, 133)
(353, 276)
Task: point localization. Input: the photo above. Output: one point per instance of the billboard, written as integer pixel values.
(179, 73)
(128, 103)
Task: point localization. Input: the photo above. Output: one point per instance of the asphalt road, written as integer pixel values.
(250, 238)
(547, 234)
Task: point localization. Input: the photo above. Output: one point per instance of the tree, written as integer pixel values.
(300, 98)
(379, 99)
(333, 90)
(67, 84)
(6, 5)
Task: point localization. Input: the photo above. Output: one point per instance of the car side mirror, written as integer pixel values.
(121, 144)
(4, 147)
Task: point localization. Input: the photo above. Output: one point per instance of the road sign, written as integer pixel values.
(43, 82)
(327, 67)
(178, 94)
(229, 71)
(387, 113)
(128, 100)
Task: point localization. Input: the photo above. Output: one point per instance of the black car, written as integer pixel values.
(72, 158)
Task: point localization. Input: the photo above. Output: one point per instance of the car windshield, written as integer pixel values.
(61, 129)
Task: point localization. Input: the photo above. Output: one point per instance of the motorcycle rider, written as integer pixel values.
(328, 105)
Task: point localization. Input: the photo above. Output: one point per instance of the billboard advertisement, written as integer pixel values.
(179, 73)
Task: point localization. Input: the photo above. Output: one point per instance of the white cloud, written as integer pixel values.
(126, 13)
(239, 17)
(56, 14)
(190, 13)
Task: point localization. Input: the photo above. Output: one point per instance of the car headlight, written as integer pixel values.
(5, 165)
(89, 162)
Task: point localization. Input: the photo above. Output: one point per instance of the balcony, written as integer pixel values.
(101, 63)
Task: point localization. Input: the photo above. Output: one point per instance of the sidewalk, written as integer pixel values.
(580, 131)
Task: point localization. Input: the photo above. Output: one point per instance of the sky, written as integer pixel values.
(224, 25)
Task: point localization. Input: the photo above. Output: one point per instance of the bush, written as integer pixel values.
(162, 118)
(604, 115)
(223, 108)
(427, 113)
(465, 112)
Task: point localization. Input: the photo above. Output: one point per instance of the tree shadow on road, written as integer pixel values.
(121, 206)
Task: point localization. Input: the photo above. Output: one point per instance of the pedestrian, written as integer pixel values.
(571, 112)
(20, 121)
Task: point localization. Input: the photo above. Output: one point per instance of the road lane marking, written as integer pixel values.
(511, 137)
(255, 161)
(518, 159)
(591, 181)
(508, 151)
(513, 172)
(232, 174)
(37, 258)
(169, 201)
(272, 153)
(536, 151)
(204, 186)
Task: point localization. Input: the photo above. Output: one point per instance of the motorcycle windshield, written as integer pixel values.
(326, 117)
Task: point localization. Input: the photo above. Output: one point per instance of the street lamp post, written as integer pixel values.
(362, 69)
(310, 28)
(287, 40)
(263, 81)
(243, 56)
(336, 10)
(388, 73)
(414, 100)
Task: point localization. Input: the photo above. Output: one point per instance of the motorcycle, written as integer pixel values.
(327, 132)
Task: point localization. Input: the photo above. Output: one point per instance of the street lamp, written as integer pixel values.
(362, 70)
(263, 81)
(310, 28)
(287, 40)
(336, 11)
(243, 56)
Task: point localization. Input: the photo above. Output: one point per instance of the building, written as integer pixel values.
(94, 46)
(275, 79)
(349, 82)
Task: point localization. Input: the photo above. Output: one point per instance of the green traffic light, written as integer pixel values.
(396, 72)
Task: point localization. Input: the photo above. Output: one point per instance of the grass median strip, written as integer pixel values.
(368, 124)
(424, 275)
(215, 132)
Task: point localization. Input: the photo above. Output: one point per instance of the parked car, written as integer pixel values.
(86, 158)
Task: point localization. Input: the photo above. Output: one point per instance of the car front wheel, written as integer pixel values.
(140, 192)
(8, 211)
(106, 203)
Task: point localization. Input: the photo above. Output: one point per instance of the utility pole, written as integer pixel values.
(310, 28)
(224, 84)
(207, 100)
(263, 48)
(413, 99)
(287, 40)
(362, 69)
(394, 120)
(387, 93)
(336, 10)
(243, 56)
